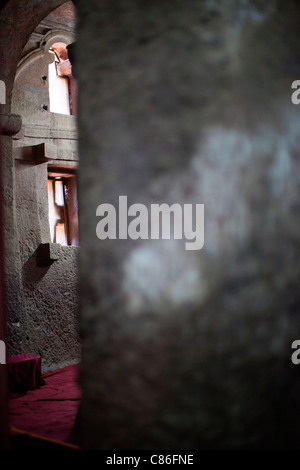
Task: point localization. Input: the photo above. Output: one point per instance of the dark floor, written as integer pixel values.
(51, 410)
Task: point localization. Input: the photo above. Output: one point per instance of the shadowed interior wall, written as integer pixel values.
(4, 441)
(190, 102)
(48, 324)
(41, 293)
(18, 20)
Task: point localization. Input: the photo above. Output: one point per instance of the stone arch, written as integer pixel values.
(46, 42)
(32, 13)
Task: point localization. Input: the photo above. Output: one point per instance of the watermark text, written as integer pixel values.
(163, 221)
(2, 353)
(2, 92)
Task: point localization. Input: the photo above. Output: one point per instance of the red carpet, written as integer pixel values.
(49, 411)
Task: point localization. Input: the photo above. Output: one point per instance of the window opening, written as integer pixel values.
(63, 207)
(62, 85)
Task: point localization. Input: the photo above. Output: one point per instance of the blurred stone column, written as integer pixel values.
(190, 102)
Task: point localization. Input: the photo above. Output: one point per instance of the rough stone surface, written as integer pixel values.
(41, 298)
(49, 322)
(190, 102)
(179, 102)
(18, 19)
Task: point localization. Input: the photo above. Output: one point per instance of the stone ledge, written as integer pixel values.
(10, 124)
(47, 253)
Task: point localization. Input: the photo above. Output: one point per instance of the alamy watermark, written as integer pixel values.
(2, 353)
(178, 221)
(295, 357)
(2, 92)
(296, 94)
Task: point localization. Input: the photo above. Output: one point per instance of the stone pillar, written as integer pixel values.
(11, 125)
(190, 102)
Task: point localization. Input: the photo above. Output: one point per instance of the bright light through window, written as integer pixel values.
(58, 90)
(63, 206)
(57, 216)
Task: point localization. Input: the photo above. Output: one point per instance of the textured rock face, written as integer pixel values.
(190, 102)
(17, 22)
(47, 325)
(41, 298)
